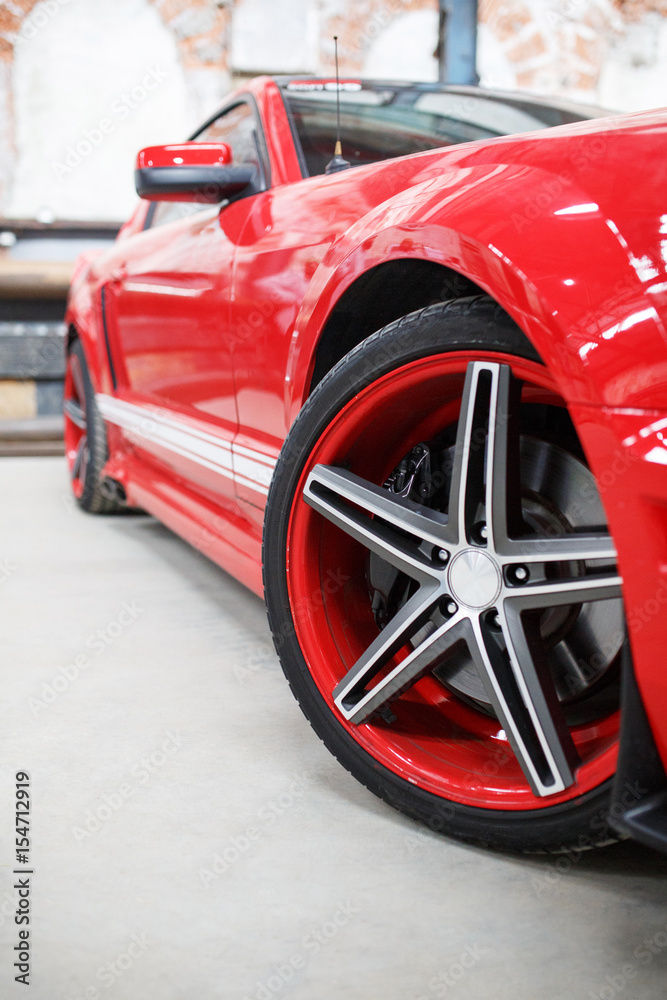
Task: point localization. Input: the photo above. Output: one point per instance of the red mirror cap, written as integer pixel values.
(186, 154)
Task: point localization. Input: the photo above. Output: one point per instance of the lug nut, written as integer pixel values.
(521, 574)
(480, 532)
(447, 607)
(443, 555)
(493, 622)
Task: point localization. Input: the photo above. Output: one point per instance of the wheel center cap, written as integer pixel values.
(474, 579)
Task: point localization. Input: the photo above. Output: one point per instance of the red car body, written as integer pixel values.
(202, 338)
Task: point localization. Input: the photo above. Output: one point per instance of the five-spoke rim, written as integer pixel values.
(478, 564)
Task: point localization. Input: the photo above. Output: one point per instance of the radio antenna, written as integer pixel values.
(337, 163)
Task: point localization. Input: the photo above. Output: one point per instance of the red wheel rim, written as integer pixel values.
(437, 742)
(76, 424)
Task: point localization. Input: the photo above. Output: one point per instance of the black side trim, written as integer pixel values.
(639, 792)
(112, 370)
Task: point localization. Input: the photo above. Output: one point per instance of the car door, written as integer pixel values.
(167, 314)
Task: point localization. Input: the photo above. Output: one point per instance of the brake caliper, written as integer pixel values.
(412, 474)
(389, 588)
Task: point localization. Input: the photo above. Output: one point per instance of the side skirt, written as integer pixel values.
(228, 539)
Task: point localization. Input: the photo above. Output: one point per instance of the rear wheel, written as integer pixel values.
(85, 437)
(441, 585)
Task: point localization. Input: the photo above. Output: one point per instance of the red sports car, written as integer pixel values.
(420, 381)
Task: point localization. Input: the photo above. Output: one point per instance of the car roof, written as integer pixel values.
(577, 110)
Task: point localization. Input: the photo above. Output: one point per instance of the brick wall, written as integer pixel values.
(612, 52)
(358, 26)
(553, 48)
(200, 29)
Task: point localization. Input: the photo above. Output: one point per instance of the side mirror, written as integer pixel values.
(190, 171)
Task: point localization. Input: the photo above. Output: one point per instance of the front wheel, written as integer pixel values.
(441, 585)
(85, 437)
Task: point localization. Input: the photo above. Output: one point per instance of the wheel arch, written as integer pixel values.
(79, 329)
(362, 294)
(385, 292)
(79, 333)
(71, 335)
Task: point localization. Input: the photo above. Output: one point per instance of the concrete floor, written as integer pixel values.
(192, 839)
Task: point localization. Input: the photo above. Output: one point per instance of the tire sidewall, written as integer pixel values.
(92, 498)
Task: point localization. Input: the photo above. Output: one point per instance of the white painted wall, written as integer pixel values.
(404, 50)
(634, 74)
(275, 37)
(493, 64)
(92, 85)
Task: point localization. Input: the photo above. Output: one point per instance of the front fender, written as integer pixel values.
(83, 315)
(550, 252)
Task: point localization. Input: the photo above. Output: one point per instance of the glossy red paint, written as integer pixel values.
(629, 457)
(185, 154)
(283, 160)
(211, 325)
(74, 394)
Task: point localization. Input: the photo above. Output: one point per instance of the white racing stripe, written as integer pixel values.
(245, 466)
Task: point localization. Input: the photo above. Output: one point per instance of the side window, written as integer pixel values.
(236, 127)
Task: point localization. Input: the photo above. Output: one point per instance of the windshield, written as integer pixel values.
(381, 121)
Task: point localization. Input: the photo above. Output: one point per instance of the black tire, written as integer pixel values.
(440, 333)
(86, 438)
